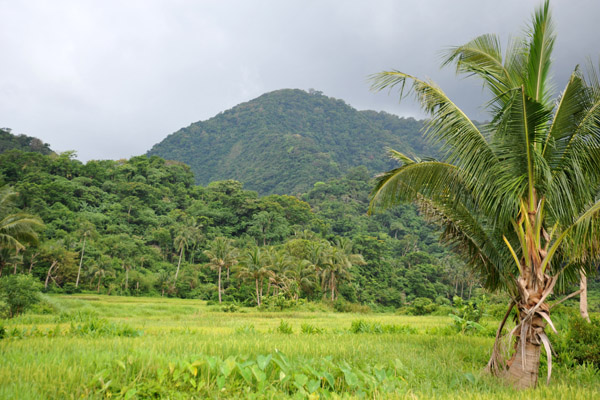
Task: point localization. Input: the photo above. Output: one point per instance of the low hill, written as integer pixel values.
(285, 141)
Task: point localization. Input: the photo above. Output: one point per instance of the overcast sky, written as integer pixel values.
(109, 79)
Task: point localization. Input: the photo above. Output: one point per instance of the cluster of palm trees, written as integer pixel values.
(302, 265)
(518, 197)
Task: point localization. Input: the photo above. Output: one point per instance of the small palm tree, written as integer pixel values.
(517, 197)
(221, 254)
(16, 229)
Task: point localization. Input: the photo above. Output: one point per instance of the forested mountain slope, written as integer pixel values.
(285, 141)
(8, 141)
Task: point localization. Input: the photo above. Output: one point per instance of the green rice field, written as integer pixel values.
(88, 346)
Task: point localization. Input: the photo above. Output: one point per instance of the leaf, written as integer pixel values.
(548, 348)
(313, 385)
(130, 393)
(245, 373)
(351, 378)
(228, 366)
(471, 378)
(221, 382)
(329, 378)
(258, 374)
(263, 361)
(300, 379)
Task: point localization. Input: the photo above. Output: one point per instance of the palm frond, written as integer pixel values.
(482, 56)
(460, 139)
(541, 44)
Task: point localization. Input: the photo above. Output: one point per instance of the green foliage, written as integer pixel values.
(422, 306)
(467, 314)
(285, 328)
(102, 327)
(285, 141)
(341, 305)
(8, 141)
(19, 293)
(581, 342)
(309, 329)
(363, 326)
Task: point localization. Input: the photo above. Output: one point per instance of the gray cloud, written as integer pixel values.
(111, 78)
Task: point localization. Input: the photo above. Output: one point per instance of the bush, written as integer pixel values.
(341, 305)
(19, 293)
(362, 326)
(285, 327)
(581, 344)
(422, 306)
(311, 329)
(70, 288)
(466, 315)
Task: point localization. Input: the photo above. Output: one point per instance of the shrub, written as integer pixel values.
(19, 292)
(285, 328)
(422, 306)
(362, 326)
(341, 305)
(229, 308)
(466, 315)
(581, 344)
(311, 329)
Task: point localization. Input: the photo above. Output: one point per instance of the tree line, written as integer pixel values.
(141, 226)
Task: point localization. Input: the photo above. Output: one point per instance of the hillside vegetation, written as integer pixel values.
(22, 142)
(284, 141)
(142, 227)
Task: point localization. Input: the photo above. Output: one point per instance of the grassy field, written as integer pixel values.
(127, 347)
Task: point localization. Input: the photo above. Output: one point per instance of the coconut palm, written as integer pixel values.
(221, 254)
(340, 261)
(16, 229)
(253, 267)
(86, 230)
(516, 197)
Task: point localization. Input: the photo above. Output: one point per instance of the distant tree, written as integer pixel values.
(253, 267)
(221, 254)
(16, 229)
(86, 229)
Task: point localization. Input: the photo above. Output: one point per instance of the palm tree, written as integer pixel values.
(253, 267)
(281, 265)
(16, 229)
(516, 197)
(221, 254)
(340, 261)
(86, 229)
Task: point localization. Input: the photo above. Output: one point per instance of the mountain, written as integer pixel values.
(8, 141)
(285, 141)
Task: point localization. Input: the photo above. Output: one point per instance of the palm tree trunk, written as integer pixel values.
(583, 304)
(80, 263)
(48, 274)
(257, 293)
(178, 263)
(219, 284)
(126, 277)
(332, 286)
(524, 373)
